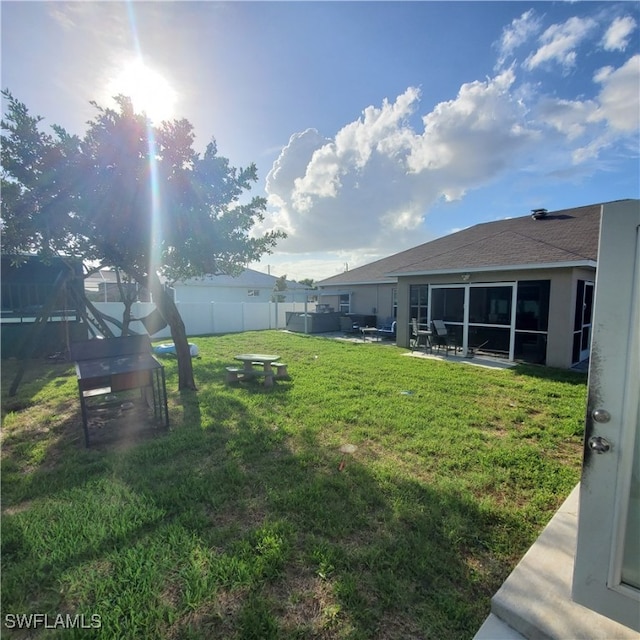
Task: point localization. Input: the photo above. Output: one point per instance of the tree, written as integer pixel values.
(279, 285)
(129, 195)
(308, 282)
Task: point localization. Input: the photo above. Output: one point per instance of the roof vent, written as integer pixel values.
(537, 214)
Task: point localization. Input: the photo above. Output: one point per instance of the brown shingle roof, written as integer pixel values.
(561, 237)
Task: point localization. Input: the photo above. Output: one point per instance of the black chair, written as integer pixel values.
(442, 337)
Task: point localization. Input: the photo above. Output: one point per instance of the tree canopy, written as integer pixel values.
(129, 195)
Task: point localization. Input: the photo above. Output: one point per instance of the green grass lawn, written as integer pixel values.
(246, 520)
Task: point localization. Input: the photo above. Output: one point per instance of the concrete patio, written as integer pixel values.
(535, 600)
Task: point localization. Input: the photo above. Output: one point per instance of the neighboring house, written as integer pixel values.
(521, 288)
(102, 286)
(249, 286)
(366, 290)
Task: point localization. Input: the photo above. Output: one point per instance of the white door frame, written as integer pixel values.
(611, 428)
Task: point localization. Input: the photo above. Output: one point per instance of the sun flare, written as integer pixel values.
(149, 91)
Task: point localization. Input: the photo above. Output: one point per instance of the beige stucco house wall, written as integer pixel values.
(367, 299)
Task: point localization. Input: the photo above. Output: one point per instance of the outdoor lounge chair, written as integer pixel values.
(388, 331)
(442, 337)
(419, 335)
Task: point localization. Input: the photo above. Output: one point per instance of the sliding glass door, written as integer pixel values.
(490, 308)
(448, 304)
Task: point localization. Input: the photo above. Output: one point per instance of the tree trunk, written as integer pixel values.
(127, 300)
(167, 307)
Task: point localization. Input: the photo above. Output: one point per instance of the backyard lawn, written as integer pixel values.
(247, 520)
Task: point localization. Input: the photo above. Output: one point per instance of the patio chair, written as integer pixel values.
(442, 337)
(419, 335)
(387, 330)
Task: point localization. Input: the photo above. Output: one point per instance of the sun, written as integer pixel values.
(149, 91)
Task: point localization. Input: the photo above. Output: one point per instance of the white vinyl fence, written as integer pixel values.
(202, 318)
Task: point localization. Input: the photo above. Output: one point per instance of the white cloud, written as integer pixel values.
(560, 41)
(372, 185)
(517, 34)
(365, 193)
(617, 36)
(103, 23)
(471, 138)
(590, 126)
(285, 170)
(568, 117)
(315, 265)
(620, 95)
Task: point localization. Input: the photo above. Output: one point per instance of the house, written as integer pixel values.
(102, 286)
(249, 286)
(521, 288)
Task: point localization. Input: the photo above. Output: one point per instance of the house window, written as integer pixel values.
(345, 303)
(418, 301)
(253, 293)
(394, 303)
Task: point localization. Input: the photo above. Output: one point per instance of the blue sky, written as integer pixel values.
(375, 126)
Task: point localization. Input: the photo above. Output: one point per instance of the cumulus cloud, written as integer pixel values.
(619, 95)
(570, 118)
(469, 139)
(366, 191)
(617, 35)
(559, 43)
(376, 179)
(286, 169)
(517, 34)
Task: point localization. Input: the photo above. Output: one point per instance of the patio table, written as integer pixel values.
(372, 331)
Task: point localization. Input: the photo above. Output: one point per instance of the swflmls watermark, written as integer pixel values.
(52, 621)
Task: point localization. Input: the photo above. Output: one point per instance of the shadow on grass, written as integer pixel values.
(550, 373)
(231, 527)
(38, 374)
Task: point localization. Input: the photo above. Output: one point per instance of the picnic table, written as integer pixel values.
(257, 365)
